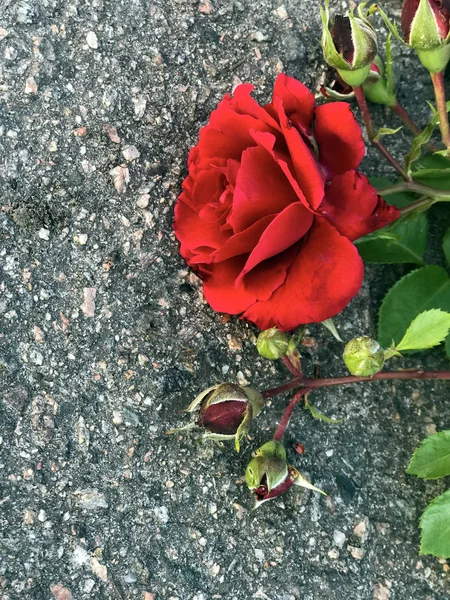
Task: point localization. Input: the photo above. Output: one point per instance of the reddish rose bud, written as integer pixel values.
(349, 44)
(426, 27)
(268, 475)
(225, 412)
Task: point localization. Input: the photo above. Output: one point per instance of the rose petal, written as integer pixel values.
(339, 137)
(228, 133)
(243, 103)
(297, 100)
(306, 169)
(261, 189)
(353, 206)
(266, 277)
(219, 287)
(267, 141)
(288, 227)
(325, 275)
(243, 242)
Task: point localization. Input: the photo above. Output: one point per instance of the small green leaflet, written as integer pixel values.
(419, 291)
(435, 525)
(385, 131)
(318, 415)
(329, 324)
(436, 178)
(446, 246)
(432, 459)
(428, 329)
(419, 141)
(404, 241)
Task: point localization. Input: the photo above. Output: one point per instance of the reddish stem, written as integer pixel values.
(318, 383)
(365, 113)
(439, 92)
(279, 433)
(292, 368)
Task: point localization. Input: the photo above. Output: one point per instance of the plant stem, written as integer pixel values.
(417, 188)
(424, 203)
(403, 115)
(439, 92)
(383, 376)
(291, 367)
(365, 113)
(279, 433)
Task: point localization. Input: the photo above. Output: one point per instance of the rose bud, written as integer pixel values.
(377, 88)
(272, 343)
(268, 475)
(364, 356)
(349, 45)
(426, 27)
(226, 411)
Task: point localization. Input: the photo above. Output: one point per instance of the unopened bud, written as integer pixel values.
(426, 27)
(272, 343)
(363, 356)
(376, 87)
(268, 474)
(349, 44)
(226, 411)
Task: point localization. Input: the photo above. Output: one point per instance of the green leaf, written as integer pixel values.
(329, 324)
(436, 178)
(404, 241)
(431, 161)
(446, 246)
(431, 460)
(435, 526)
(386, 131)
(417, 143)
(428, 329)
(318, 415)
(421, 290)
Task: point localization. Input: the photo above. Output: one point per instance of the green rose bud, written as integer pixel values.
(377, 88)
(349, 44)
(272, 343)
(225, 412)
(426, 27)
(363, 356)
(268, 474)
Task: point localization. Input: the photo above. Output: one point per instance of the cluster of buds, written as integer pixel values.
(349, 45)
(225, 412)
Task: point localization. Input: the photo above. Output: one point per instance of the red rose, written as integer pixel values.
(271, 205)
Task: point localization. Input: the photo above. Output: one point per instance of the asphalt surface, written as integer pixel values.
(105, 337)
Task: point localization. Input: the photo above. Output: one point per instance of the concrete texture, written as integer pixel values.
(105, 338)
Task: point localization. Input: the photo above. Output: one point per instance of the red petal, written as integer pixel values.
(267, 141)
(266, 277)
(353, 206)
(261, 189)
(243, 242)
(223, 418)
(326, 274)
(243, 103)
(305, 166)
(219, 287)
(339, 137)
(287, 228)
(297, 100)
